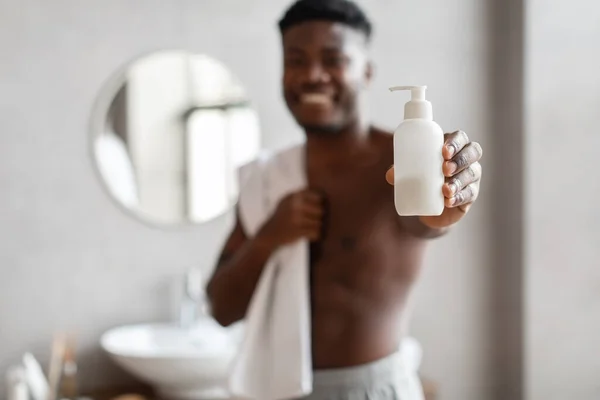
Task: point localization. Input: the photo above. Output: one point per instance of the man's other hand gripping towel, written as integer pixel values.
(274, 362)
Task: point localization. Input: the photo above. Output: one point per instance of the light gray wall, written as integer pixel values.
(563, 218)
(71, 259)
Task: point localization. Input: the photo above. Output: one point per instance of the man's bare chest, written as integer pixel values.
(359, 212)
(363, 245)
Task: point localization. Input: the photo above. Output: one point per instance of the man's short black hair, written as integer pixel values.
(344, 11)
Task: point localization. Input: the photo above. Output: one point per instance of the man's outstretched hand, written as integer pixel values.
(463, 174)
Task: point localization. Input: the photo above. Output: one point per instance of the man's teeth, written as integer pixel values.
(316, 98)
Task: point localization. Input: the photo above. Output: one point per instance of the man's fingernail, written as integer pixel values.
(453, 201)
(453, 188)
(452, 166)
(451, 149)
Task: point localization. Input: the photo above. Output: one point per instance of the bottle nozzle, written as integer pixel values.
(418, 106)
(416, 92)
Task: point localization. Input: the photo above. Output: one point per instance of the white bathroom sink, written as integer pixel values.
(178, 363)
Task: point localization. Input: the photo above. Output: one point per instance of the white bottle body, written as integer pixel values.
(418, 161)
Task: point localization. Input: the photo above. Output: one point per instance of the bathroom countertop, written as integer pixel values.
(143, 392)
(116, 392)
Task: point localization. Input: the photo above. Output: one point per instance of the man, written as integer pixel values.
(365, 262)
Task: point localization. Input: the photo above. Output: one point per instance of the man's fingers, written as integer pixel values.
(467, 195)
(389, 175)
(312, 196)
(312, 211)
(460, 181)
(311, 224)
(313, 204)
(312, 228)
(454, 143)
(470, 154)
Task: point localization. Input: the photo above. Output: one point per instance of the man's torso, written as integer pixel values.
(364, 265)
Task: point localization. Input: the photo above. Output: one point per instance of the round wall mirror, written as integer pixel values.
(169, 133)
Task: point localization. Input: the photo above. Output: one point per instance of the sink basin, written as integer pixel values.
(178, 363)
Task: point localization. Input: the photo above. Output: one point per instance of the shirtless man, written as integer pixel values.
(364, 264)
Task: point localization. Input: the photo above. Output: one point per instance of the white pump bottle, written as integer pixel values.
(418, 159)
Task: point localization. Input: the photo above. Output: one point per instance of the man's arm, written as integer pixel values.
(236, 275)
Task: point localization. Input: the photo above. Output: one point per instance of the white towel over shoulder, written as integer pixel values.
(274, 361)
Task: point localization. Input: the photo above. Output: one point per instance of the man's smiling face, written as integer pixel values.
(325, 68)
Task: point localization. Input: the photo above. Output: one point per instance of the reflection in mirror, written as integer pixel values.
(174, 131)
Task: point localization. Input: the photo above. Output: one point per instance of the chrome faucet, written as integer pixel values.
(193, 302)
